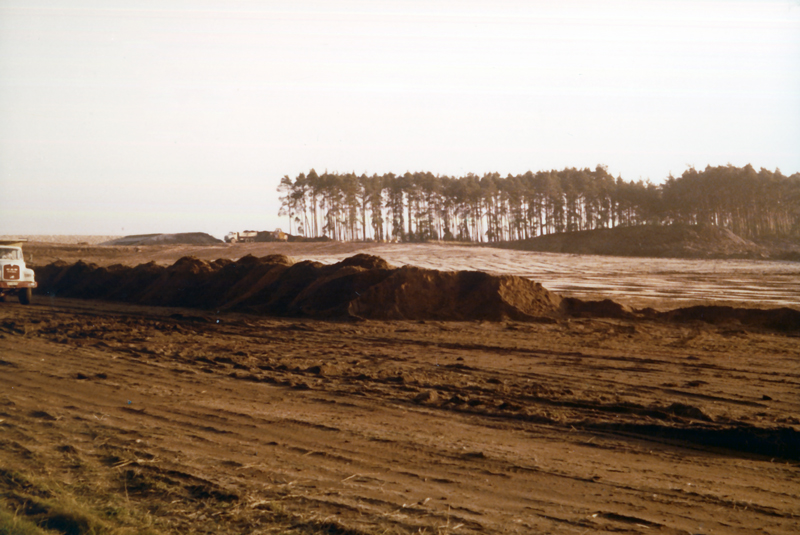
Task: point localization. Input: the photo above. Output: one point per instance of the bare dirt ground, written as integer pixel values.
(583, 426)
(166, 420)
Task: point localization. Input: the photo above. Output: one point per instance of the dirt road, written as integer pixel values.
(240, 424)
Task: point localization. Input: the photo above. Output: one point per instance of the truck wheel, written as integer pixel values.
(25, 296)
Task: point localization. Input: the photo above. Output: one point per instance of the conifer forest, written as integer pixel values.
(422, 206)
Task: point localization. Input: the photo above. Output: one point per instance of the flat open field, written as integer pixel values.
(180, 421)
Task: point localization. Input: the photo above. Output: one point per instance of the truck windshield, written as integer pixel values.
(9, 253)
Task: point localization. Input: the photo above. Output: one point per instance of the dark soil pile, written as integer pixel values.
(774, 319)
(780, 319)
(411, 292)
(670, 241)
(186, 238)
(362, 286)
(595, 309)
(304, 239)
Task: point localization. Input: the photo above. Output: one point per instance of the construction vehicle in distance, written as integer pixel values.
(15, 277)
(250, 236)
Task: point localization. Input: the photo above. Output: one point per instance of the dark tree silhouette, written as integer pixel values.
(423, 206)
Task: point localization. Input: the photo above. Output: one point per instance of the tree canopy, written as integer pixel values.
(421, 206)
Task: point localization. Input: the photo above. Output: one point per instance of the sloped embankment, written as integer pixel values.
(361, 286)
(658, 241)
(185, 238)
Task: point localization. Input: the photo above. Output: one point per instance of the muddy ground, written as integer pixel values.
(193, 422)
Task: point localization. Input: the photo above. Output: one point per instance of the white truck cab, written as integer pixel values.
(248, 236)
(15, 277)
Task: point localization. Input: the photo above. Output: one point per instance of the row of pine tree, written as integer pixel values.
(422, 206)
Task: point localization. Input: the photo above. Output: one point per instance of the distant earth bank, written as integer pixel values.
(657, 241)
(185, 238)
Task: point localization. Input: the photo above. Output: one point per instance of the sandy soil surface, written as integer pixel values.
(660, 283)
(166, 420)
(238, 424)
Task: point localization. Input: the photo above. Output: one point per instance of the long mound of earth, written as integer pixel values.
(667, 241)
(362, 286)
(185, 238)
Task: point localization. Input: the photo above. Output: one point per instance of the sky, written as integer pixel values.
(130, 117)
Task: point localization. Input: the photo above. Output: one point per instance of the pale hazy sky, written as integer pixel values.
(129, 117)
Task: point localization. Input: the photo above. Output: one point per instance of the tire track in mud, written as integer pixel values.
(375, 452)
(174, 421)
(549, 400)
(555, 402)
